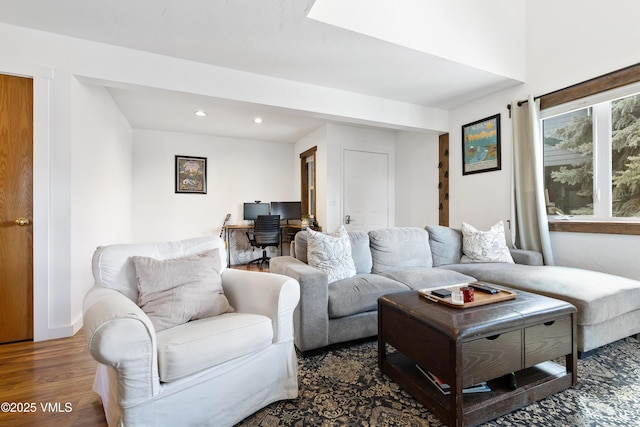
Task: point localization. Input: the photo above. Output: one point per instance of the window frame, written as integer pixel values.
(588, 93)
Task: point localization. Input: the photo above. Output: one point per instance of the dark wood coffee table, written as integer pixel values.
(471, 345)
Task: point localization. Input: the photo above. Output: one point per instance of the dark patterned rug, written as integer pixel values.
(344, 387)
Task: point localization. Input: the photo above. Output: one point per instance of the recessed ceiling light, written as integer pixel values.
(257, 120)
(200, 113)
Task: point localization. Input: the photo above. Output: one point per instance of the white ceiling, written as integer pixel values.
(268, 37)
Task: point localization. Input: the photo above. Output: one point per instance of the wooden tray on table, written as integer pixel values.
(479, 298)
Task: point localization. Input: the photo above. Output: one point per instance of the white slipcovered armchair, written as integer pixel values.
(208, 372)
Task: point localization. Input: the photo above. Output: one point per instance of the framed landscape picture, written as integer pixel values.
(191, 174)
(481, 146)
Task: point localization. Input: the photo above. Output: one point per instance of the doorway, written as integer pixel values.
(366, 190)
(16, 208)
(308, 183)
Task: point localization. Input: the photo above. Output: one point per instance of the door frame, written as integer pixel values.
(42, 78)
(304, 181)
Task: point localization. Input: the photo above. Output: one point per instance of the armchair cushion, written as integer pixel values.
(175, 291)
(201, 344)
(113, 268)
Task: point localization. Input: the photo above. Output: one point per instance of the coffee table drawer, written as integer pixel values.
(547, 341)
(491, 357)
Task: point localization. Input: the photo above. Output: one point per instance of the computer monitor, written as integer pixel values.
(287, 210)
(252, 210)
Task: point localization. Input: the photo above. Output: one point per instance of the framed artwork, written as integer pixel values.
(191, 174)
(481, 146)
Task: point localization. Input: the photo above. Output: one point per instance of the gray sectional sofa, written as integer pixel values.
(403, 258)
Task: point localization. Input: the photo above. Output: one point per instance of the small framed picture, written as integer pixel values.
(481, 146)
(191, 174)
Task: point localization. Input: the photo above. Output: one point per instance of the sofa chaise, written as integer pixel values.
(404, 258)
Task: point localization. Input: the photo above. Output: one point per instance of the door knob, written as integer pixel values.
(347, 219)
(22, 222)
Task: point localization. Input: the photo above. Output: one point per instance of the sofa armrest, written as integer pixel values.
(271, 295)
(311, 317)
(121, 336)
(526, 257)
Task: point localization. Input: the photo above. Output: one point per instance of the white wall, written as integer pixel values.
(101, 165)
(331, 140)
(416, 179)
(60, 109)
(340, 138)
(73, 164)
(237, 171)
(479, 199)
(561, 51)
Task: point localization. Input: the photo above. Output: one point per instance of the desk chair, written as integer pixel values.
(266, 232)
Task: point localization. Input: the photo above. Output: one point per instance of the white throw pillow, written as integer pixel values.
(175, 291)
(484, 246)
(331, 253)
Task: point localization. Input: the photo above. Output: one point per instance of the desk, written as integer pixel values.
(247, 227)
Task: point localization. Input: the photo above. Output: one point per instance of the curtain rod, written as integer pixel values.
(519, 103)
(610, 74)
(524, 101)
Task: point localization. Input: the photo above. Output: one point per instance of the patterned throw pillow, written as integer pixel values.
(484, 246)
(175, 291)
(331, 253)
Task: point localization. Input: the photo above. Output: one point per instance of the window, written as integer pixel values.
(592, 156)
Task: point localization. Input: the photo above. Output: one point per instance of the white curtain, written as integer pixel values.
(528, 207)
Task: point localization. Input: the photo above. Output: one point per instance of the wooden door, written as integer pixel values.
(16, 209)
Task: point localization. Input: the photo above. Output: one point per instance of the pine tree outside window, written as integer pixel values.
(592, 157)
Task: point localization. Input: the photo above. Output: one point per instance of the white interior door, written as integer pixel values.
(366, 190)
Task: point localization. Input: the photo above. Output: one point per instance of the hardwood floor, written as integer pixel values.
(53, 381)
(50, 379)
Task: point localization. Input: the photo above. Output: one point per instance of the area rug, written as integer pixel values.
(344, 387)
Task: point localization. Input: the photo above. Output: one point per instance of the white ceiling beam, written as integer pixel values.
(488, 35)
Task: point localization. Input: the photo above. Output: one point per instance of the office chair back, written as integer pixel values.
(266, 231)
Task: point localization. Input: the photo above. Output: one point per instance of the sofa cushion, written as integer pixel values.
(597, 296)
(446, 244)
(526, 257)
(399, 247)
(420, 277)
(331, 253)
(360, 251)
(484, 246)
(359, 294)
(201, 344)
(175, 291)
